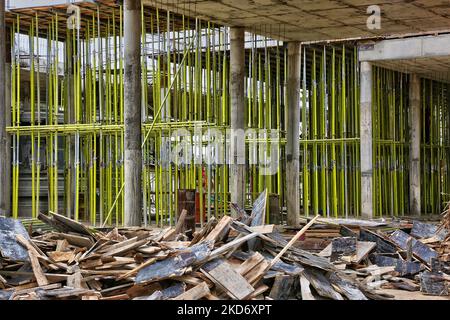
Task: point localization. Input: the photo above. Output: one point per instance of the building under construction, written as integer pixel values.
(120, 113)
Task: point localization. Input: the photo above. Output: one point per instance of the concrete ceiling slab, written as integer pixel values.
(324, 19)
(437, 68)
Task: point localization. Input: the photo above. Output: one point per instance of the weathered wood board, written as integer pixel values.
(420, 250)
(422, 230)
(232, 281)
(363, 248)
(9, 247)
(401, 266)
(174, 266)
(383, 245)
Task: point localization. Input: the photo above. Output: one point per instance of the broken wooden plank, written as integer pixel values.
(220, 230)
(384, 245)
(174, 266)
(402, 267)
(33, 254)
(124, 248)
(76, 240)
(268, 228)
(343, 246)
(363, 249)
(170, 235)
(195, 293)
(305, 289)
(9, 247)
(257, 217)
(346, 287)
(420, 250)
(250, 263)
(422, 230)
(293, 240)
(433, 283)
(321, 284)
(59, 256)
(235, 284)
(282, 286)
(71, 224)
(137, 269)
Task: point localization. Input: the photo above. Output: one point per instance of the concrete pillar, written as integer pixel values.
(366, 141)
(415, 127)
(237, 76)
(5, 120)
(132, 114)
(292, 134)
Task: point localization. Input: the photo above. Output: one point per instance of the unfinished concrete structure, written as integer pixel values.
(361, 112)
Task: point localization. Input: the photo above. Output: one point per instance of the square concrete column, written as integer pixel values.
(237, 77)
(415, 126)
(5, 120)
(132, 113)
(366, 141)
(292, 134)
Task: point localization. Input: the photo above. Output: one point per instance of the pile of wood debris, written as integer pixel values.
(226, 259)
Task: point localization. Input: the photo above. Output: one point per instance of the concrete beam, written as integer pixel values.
(132, 114)
(366, 141)
(5, 119)
(292, 134)
(415, 131)
(409, 48)
(237, 77)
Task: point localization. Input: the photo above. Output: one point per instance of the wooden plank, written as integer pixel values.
(178, 227)
(282, 286)
(343, 246)
(9, 247)
(76, 240)
(233, 282)
(265, 229)
(137, 269)
(175, 265)
(250, 264)
(433, 283)
(346, 287)
(258, 272)
(363, 248)
(420, 250)
(148, 250)
(422, 230)
(321, 284)
(59, 256)
(196, 293)
(220, 230)
(293, 240)
(384, 245)
(124, 249)
(259, 210)
(401, 266)
(71, 224)
(33, 254)
(232, 244)
(305, 289)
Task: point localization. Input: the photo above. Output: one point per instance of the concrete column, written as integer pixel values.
(237, 154)
(415, 127)
(366, 141)
(292, 134)
(5, 120)
(132, 114)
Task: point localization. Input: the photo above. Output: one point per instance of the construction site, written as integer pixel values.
(225, 149)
